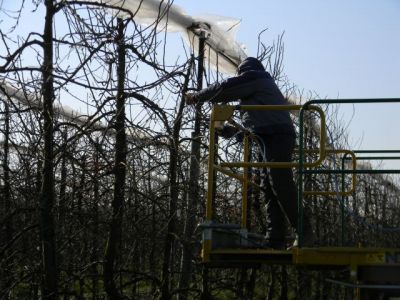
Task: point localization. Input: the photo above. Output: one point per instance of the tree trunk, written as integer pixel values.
(120, 173)
(47, 195)
(165, 292)
(284, 283)
(174, 196)
(251, 283)
(7, 263)
(94, 257)
(272, 280)
(63, 181)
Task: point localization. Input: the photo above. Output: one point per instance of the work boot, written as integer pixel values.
(277, 244)
(275, 239)
(308, 239)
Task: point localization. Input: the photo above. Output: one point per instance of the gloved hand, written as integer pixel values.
(190, 98)
(227, 132)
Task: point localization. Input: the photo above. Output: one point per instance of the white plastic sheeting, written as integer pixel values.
(32, 101)
(222, 51)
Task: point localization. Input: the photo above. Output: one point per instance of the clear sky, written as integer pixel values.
(337, 48)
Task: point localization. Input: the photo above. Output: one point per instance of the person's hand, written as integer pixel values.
(190, 99)
(228, 131)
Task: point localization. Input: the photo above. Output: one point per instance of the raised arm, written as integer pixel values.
(231, 89)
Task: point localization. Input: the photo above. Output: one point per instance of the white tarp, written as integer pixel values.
(222, 51)
(32, 101)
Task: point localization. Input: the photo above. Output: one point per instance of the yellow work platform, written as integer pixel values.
(372, 272)
(342, 256)
(318, 257)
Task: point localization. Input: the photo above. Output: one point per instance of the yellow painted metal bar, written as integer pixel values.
(207, 242)
(221, 114)
(224, 112)
(257, 251)
(324, 256)
(345, 256)
(240, 176)
(260, 165)
(272, 107)
(228, 172)
(207, 248)
(353, 177)
(245, 184)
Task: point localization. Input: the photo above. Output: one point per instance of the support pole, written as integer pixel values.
(193, 196)
(342, 205)
(196, 148)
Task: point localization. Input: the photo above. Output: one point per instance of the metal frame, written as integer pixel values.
(223, 113)
(361, 262)
(302, 165)
(353, 177)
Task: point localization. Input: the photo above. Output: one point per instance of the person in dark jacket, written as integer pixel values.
(275, 131)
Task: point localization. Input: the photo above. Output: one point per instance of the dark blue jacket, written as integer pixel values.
(253, 86)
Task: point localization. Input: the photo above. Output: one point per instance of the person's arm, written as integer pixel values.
(228, 90)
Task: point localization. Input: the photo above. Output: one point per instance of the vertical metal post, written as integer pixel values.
(300, 181)
(200, 66)
(195, 149)
(211, 171)
(197, 120)
(196, 146)
(193, 198)
(342, 241)
(245, 185)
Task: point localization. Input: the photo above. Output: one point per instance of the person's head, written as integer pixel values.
(250, 64)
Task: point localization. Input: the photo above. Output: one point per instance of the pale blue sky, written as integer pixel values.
(340, 47)
(337, 48)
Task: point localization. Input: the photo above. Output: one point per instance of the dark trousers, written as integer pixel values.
(279, 187)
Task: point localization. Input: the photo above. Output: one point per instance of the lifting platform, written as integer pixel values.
(320, 257)
(229, 245)
(372, 272)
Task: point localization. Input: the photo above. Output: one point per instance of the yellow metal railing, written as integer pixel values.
(353, 177)
(241, 176)
(222, 113)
